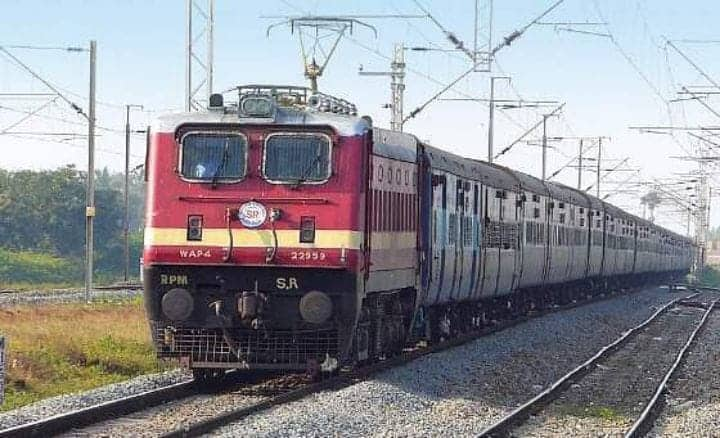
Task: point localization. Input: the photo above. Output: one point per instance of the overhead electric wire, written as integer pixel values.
(458, 43)
(435, 45)
(28, 115)
(59, 119)
(635, 67)
(30, 47)
(24, 66)
(694, 64)
(63, 143)
(518, 33)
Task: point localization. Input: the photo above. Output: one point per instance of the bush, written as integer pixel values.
(18, 266)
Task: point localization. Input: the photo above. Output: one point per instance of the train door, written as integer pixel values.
(452, 256)
(438, 228)
(586, 218)
(634, 243)
(520, 239)
(508, 241)
(465, 241)
(493, 239)
(571, 242)
(476, 249)
(547, 236)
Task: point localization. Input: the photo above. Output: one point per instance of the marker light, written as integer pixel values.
(307, 229)
(194, 227)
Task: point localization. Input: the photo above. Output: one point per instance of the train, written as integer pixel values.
(285, 232)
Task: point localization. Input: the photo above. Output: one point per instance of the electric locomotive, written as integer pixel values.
(254, 231)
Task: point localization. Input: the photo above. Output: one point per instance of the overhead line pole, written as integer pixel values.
(599, 159)
(126, 193)
(491, 115)
(397, 86)
(90, 195)
(544, 146)
(580, 164)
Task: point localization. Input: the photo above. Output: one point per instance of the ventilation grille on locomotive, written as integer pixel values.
(253, 346)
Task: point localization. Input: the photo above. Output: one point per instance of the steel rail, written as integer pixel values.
(647, 418)
(344, 380)
(698, 287)
(104, 411)
(519, 415)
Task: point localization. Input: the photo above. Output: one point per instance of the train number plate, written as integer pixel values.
(308, 255)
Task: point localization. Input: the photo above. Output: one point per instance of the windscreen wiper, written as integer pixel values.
(221, 166)
(305, 174)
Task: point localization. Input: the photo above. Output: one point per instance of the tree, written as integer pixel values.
(45, 211)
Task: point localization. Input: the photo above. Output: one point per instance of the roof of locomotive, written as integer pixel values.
(345, 125)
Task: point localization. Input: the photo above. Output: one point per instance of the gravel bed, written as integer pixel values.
(176, 414)
(693, 403)
(69, 402)
(608, 400)
(460, 391)
(66, 296)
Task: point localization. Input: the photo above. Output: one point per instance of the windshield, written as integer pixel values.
(297, 158)
(212, 157)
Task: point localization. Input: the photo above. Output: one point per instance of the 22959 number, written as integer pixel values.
(307, 255)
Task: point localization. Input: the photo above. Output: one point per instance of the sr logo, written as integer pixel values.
(289, 283)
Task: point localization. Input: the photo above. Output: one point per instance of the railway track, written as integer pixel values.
(100, 412)
(354, 376)
(109, 287)
(249, 398)
(581, 390)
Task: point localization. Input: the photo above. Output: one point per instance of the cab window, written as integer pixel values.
(297, 158)
(213, 157)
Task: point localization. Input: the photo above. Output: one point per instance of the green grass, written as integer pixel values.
(602, 412)
(25, 268)
(64, 348)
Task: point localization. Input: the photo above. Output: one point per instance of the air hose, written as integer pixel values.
(227, 337)
(227, 257)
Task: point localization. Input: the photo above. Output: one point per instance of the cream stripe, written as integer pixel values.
(244, 238)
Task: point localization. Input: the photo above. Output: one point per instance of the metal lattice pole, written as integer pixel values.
(194, 59)
(398, 87)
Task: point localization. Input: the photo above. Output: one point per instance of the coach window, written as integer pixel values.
(217, 157)
(297, 158)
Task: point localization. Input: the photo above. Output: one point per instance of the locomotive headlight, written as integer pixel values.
(316, 307)
(257, 106)
(177, 304)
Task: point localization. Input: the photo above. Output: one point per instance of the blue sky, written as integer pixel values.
(141, 61)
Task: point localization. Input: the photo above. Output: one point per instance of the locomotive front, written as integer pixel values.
(254, 237)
